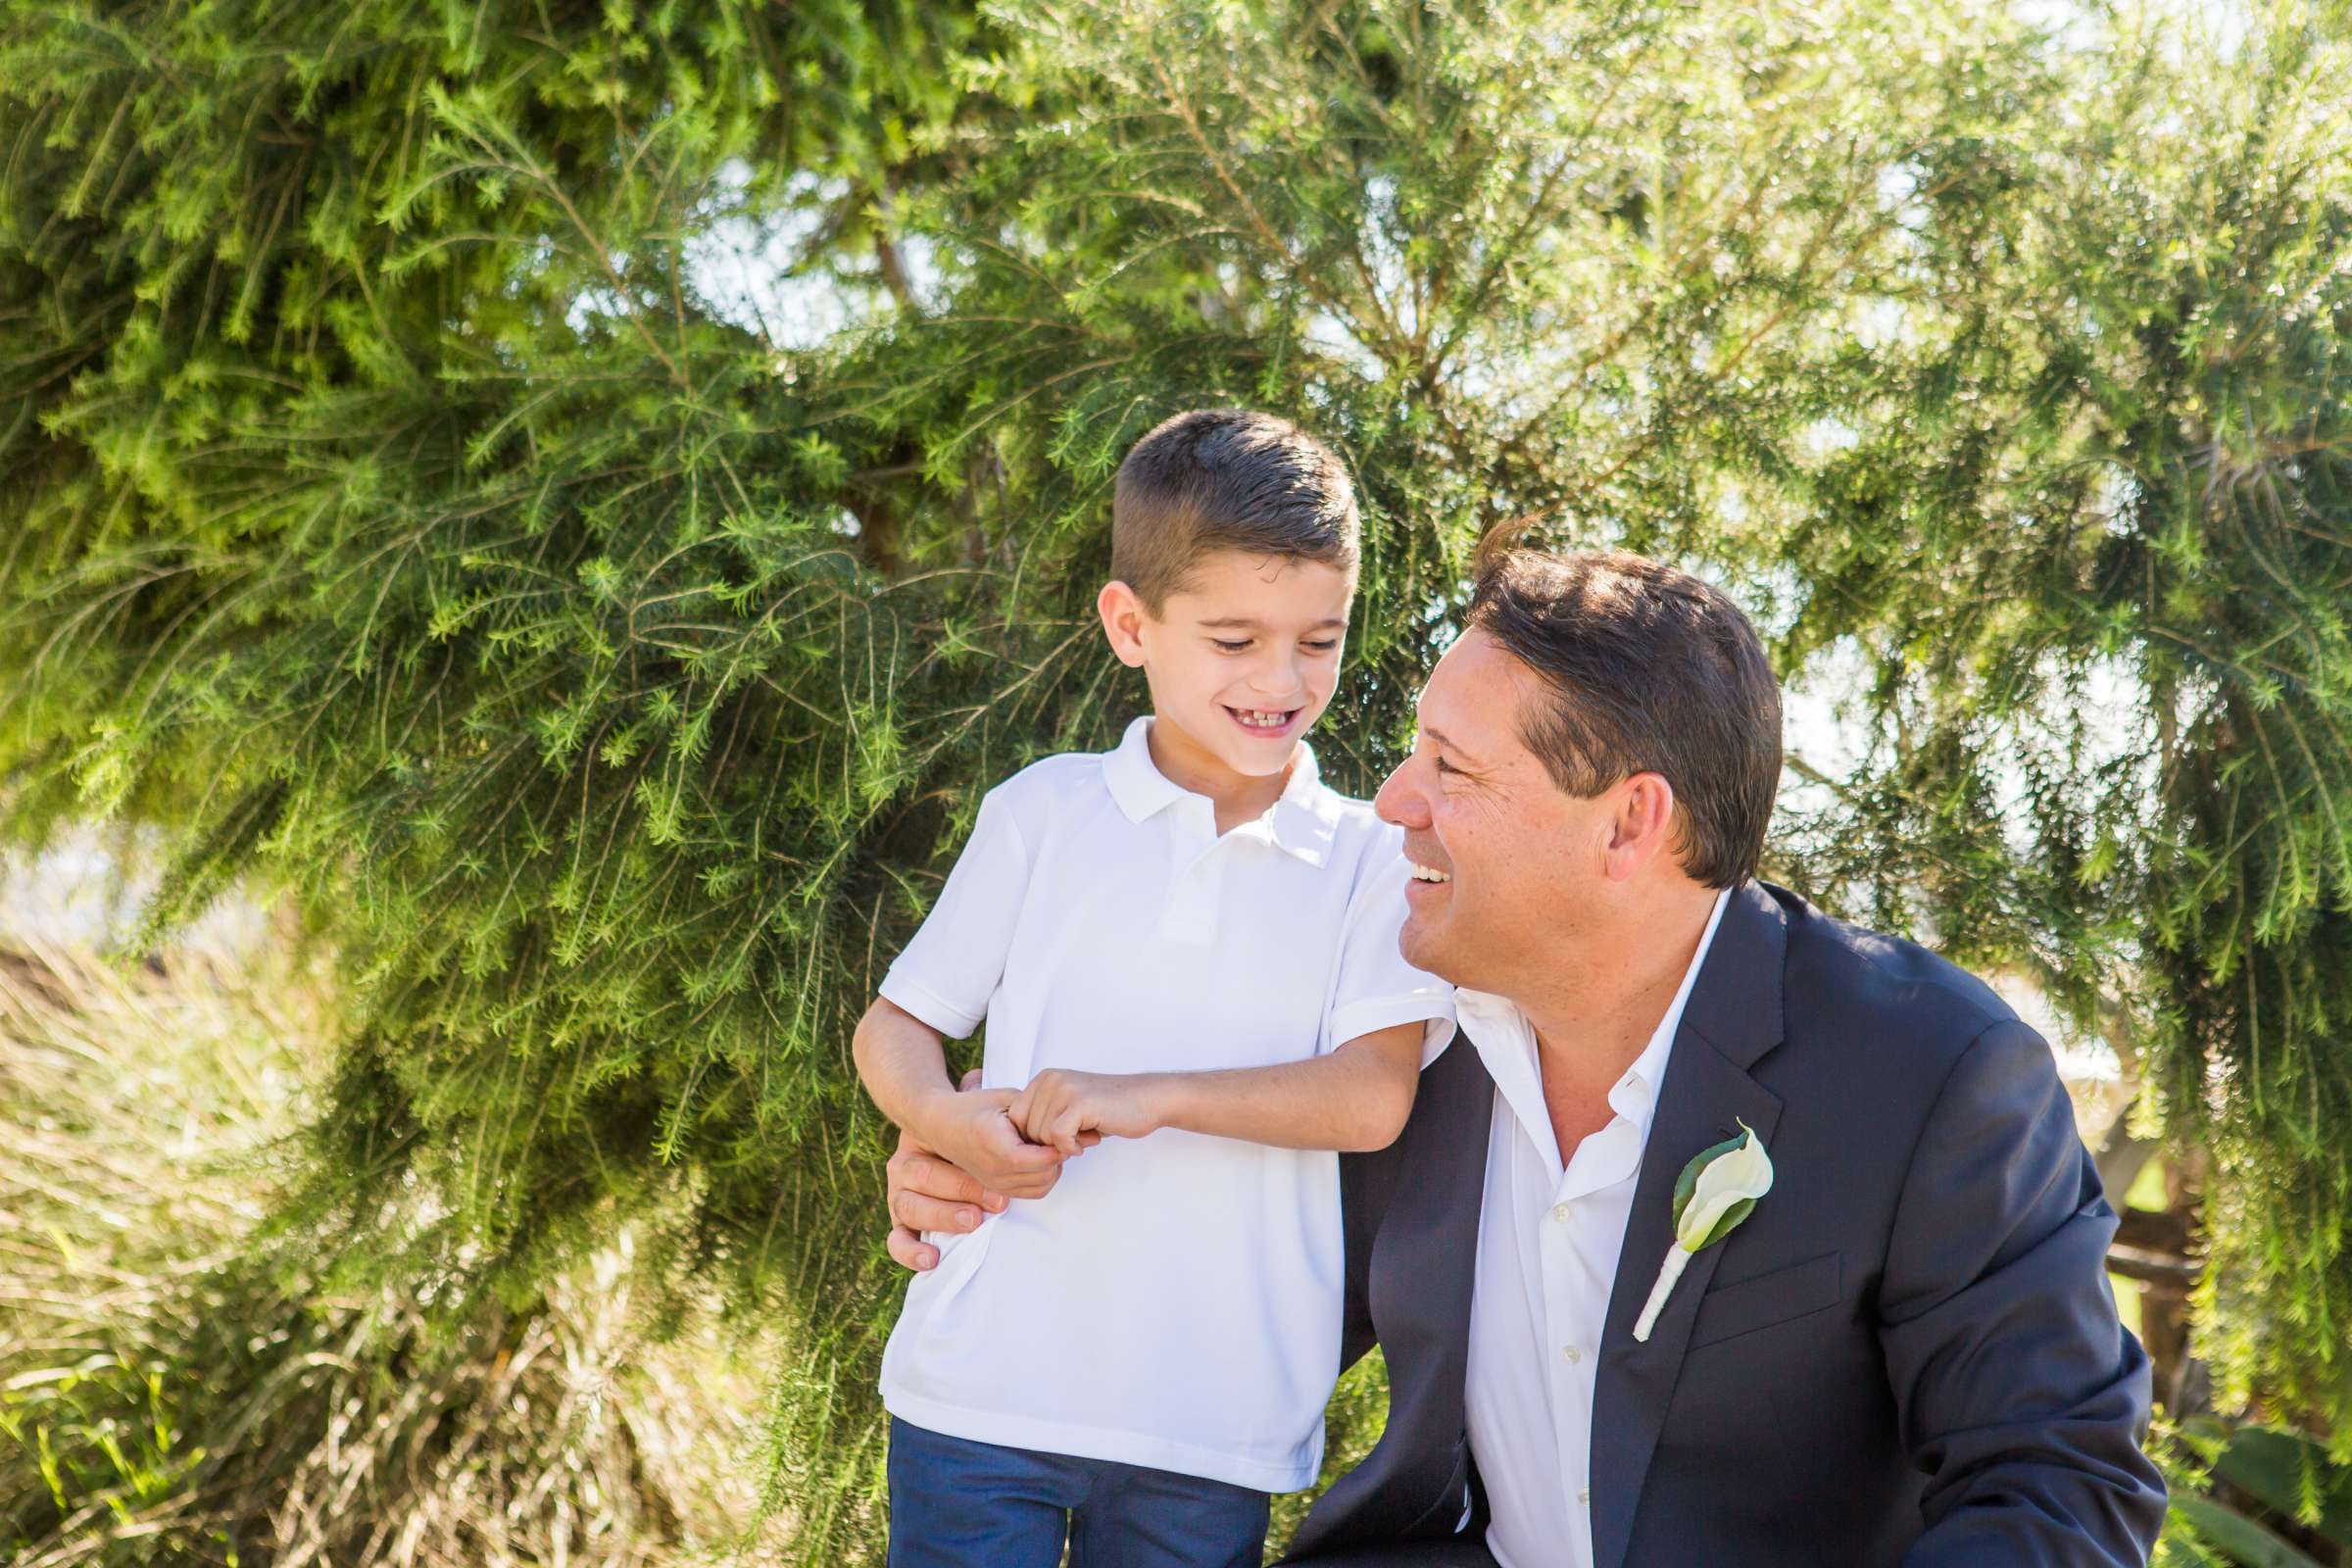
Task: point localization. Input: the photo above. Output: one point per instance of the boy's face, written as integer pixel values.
(1243, 658)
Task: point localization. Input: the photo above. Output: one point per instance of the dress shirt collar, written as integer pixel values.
(1302, 822)
(1506, 1045)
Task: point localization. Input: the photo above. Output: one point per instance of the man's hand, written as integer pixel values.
(928, 1193)
(1061, 1109)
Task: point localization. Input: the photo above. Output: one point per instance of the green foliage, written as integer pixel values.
(2084, 547)
(173, 1395)
(2259, 1496)
(412, 511)
(392, 518)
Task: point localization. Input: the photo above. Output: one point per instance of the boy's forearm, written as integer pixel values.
(903, 1065)
(1354, 1099)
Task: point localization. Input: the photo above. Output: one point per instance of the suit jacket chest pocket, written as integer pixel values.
(1768, 1299)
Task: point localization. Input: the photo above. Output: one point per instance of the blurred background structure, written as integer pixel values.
(556, 513)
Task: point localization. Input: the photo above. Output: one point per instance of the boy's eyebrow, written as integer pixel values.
(1247, 624)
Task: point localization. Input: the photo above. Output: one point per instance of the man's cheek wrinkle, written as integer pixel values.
(1487, 803)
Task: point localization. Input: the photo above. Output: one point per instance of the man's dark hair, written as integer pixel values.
(1651, 672)
(1212, 480)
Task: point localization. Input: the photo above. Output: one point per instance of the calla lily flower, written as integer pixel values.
(1715, 1191)
(1740, 1175)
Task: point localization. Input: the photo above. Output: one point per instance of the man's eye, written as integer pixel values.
(1231, 648)
(1444, 766)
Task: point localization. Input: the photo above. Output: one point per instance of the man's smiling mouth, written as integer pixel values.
(1430, 873)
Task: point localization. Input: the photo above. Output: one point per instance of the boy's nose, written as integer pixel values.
(1282, 680)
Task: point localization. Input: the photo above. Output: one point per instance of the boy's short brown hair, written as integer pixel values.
(1212, 480)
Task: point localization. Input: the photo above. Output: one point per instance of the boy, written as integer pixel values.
(1185, 950)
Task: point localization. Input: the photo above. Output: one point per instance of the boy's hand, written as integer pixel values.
(971, 1129)
(924, 1192)
(1071, 1111)
(927, 1192)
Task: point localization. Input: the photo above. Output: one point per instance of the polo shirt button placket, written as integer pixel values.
(1195, 875)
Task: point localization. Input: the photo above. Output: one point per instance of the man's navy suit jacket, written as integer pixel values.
(1907, 1354)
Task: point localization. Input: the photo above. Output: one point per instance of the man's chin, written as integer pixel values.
(1425, 947)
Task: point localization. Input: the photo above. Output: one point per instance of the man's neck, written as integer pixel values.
(1591, 1026)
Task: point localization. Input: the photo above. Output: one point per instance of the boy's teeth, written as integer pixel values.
(1262, 720)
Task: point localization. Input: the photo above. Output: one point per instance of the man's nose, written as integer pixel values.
(1399, 802)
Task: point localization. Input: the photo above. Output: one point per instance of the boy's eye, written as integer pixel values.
(1231, 647)
(1324, 645)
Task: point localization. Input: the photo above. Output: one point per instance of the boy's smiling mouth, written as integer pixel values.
(1263, 720)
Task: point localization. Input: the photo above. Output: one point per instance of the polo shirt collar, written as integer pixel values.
(1303, 822)
(1136, 782)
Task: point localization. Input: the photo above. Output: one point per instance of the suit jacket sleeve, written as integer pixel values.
(1367, 1181)
(2019, 1392)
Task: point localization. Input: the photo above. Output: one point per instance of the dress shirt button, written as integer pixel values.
(1584, 1496)
(1561, 1211)
(1572, 1354)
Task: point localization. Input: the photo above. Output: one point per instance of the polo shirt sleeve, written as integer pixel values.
(1377, 988)
(947, 972)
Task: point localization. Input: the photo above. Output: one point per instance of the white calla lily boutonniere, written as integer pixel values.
(1715, 1191)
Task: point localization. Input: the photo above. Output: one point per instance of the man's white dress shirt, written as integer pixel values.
(1174, 1302)
(1549, 1236)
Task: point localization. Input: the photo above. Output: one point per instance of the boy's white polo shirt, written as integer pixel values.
(1174, 1302)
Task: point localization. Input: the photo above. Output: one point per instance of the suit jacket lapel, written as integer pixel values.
(1733, 1017)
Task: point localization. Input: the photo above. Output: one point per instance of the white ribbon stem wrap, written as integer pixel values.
(1668, 1272)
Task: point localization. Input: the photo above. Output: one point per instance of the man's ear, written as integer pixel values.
(1643, 825)
(1123, 616)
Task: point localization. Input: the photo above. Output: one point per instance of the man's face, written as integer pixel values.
(1243, 659)
(1525, 864)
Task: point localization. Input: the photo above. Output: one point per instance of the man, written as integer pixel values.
(1906, 1353)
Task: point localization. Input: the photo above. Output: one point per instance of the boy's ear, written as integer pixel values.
(1123, 616)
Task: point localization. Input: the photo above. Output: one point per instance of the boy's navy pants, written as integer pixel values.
(955, 1503)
